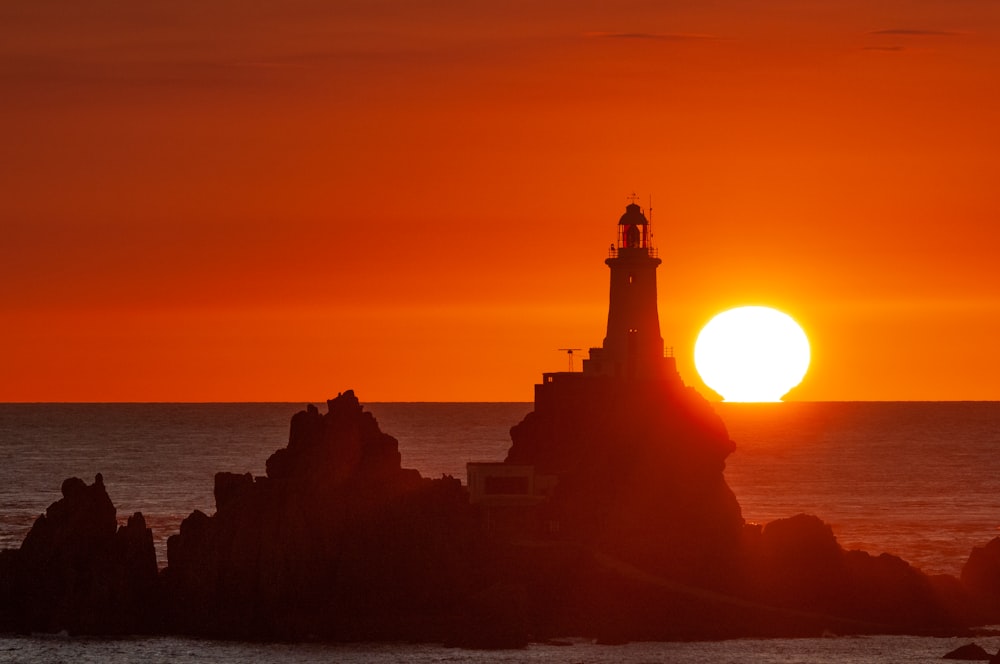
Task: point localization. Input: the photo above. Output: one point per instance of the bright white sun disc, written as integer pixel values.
(752, 354)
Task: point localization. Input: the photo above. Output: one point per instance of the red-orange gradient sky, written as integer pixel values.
(231, 201)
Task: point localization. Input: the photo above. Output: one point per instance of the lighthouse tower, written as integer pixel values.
(633, 347)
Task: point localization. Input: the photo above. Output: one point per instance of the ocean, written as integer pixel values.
(916, 479)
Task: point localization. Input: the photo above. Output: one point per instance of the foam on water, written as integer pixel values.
(854, 650)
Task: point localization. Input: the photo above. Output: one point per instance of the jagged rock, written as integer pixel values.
(981, 577)
(337, 541)
(137, 588)
(75, 524)
(885, 590)
(982, 570)
(797, 563)
(338, 447)
(78, 571)
(968, 652)
(230, 486)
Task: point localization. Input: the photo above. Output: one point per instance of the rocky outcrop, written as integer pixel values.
(640, 485)
(640, 473)
(970, 652)
(337, 541)
(78, 570)
(797, 563)
(981, 577)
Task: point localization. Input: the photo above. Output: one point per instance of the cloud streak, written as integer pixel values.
(651, 36)
(906, 32)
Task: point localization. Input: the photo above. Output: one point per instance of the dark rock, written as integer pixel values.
(11, 591)
(640, 481)
(640, 472)
(968, 652)
(797, 564)
(137, 596)
(78, 571)
(982, 570)
(340, 446)
(231, 486)
(338, 541)
(75, 525)
(981, 577)
(892, 595)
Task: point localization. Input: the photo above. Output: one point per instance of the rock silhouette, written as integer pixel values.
(640, 474)
(339, 542)
(969, 652)
(797, 563)
(78, 571)
(981, 575)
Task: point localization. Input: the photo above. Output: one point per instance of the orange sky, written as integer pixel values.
(235, 201)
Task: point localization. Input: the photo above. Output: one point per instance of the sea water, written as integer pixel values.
(841, 650)
(916, 479)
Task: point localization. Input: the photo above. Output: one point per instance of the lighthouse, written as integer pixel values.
(622, 453)
(632, 347)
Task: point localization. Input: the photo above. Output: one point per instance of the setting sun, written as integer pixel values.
(752, 354)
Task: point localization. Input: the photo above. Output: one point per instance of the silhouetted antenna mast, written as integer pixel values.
(650, 218)
(569, 353)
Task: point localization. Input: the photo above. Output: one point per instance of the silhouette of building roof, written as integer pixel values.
(633, 215)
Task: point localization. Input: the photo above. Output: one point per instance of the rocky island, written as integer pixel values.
(610, 517)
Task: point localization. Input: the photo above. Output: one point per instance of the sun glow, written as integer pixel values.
(752, 354)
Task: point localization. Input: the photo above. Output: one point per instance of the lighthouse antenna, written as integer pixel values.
(569, 353)
(651, 219)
